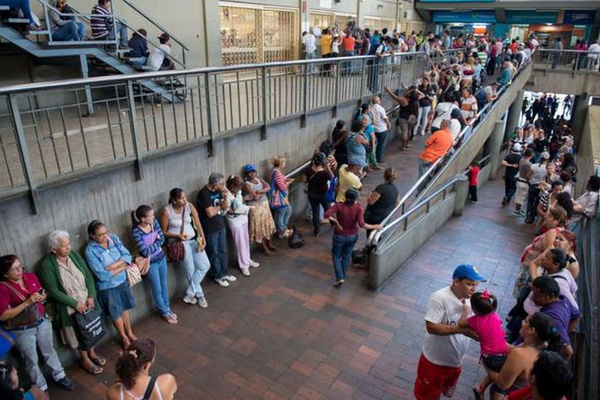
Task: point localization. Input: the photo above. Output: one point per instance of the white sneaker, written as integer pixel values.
(230, 278)
(202, 302)
(245, 272)
(189, 299)
(254, 264)
(222, 282)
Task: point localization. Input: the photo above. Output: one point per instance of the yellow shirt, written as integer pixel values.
(326, 41)
(347, 180)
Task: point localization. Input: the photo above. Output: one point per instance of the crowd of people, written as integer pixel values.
(540, 175)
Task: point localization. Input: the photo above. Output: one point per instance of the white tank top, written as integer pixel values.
(176, 219)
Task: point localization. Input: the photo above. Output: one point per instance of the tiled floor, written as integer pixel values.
(286, 333)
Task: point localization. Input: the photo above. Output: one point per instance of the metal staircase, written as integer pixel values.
(10, 30)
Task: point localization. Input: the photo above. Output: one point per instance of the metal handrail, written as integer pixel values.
(415, 208)
(116, 79)
(301, 168)
(376, 235)
(88, 16)
(156, 24)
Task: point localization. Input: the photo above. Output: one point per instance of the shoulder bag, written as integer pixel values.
(7, 341)
(175, 249)
(29, 316)
(89, 327)
(277, 198)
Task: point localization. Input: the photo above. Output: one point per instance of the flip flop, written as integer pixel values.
(98, 360)
(93, 369)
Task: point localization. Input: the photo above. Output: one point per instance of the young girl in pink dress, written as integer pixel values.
(487, 324)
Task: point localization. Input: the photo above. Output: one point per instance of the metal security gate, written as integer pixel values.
(251, 34)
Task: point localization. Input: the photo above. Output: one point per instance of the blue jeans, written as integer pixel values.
(281, 217)
(216, 248)
(349, 65)
(380, 150)
(23, 5)
(423, 167)
(342, 254)
(196, 266)
(310, 56)
(158, 280)
(122, 31)
(70, 31)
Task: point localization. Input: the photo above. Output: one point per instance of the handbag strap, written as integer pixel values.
(150, 388)
(6, 336)
(15, 291)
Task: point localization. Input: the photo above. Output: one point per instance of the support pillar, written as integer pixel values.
(514, 113)
(461, 190)
(579, 114)
(495, 146)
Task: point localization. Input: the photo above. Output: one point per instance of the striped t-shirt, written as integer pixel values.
(101, 22)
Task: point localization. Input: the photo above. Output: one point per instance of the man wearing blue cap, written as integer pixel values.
(445, 343)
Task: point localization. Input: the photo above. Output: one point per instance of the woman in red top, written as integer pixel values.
(278, 196)
(551, 379)
(22, 313)
(346, 217)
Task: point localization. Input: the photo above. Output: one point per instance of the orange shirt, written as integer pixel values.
(437, 145)
(349, 42)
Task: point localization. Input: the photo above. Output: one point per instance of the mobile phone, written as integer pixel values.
(41, 291)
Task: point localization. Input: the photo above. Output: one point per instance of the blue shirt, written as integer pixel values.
(98, 258)
(505, 77)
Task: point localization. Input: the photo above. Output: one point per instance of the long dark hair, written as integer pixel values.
(93, 227)
(6, 390)
(131, 362)
(6, 263)
(546, 331)
(174, 194)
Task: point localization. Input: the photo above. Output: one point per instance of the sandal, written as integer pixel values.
(92, 369)
(98, 360)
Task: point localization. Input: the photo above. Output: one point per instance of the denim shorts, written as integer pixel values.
(495, 362)
(115, 301)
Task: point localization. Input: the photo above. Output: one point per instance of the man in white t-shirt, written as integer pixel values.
(445, 343)
(309, 44)
(381, 124)
(159, 59)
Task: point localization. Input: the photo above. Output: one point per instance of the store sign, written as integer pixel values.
(550, 28)
(481, 17)
(579, 17)
(531, 17)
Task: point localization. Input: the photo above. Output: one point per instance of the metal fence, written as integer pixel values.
(576, 61)
(45, 135)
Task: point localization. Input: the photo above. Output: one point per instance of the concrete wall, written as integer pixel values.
(589, 151)
(564, 82)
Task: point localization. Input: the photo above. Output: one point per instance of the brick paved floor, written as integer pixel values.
(286, 333)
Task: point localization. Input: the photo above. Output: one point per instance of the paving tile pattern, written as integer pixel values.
(286, 333)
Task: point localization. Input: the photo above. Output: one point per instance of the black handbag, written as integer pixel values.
(89, 328)
(296, 240)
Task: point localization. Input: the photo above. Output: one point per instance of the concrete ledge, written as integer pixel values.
(387, 260)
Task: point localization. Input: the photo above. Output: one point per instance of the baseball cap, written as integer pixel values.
(250, 168)
(517, 148)
(467, 271)
(455, 113)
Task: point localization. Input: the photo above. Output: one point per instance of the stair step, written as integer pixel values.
(4, 8)
(38, 33)
(16, 21)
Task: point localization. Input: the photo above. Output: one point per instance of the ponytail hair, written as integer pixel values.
(547, 333)
(133, 360)
(174, 194)
(139, 213)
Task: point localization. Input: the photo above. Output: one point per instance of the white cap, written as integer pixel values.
(517, 148)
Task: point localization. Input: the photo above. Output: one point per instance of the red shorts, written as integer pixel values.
(435, 380)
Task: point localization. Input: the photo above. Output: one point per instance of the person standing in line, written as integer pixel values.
(511, 163)
(551, 379)
(558, 46)
(279, 196)
(346, 217)
(309, 44)
(237, 218)
(326, 46)
(149, 239)
(195, 262)
(523, 178)
(213, 204)
(382, 126)
(446, 342)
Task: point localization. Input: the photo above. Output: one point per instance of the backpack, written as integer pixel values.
(481, 100)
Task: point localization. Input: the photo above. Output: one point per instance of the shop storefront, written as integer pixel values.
(478, 23)
(376, 23)
(324, 20)
(254, 34)
(569, 25)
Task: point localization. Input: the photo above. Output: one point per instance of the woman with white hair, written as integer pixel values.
(71, 289)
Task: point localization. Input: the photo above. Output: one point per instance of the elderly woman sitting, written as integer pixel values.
(109, 259)
(70, 286)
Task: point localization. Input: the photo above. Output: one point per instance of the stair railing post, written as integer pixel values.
(265, 102)
(88, 91)
(21, 140)
(133, 126)
(209, 118)
(45, 5)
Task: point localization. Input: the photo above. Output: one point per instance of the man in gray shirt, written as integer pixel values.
(523, 183)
